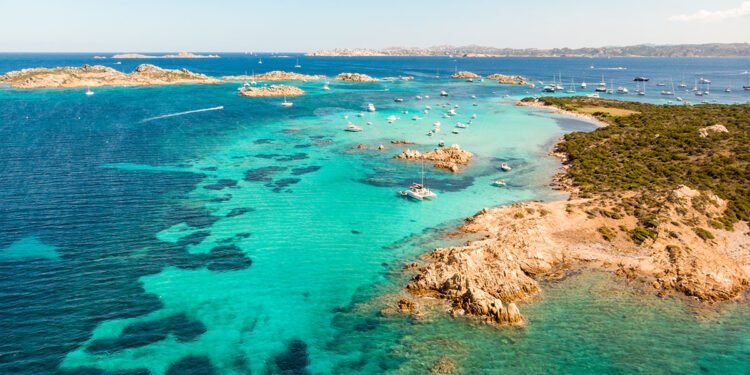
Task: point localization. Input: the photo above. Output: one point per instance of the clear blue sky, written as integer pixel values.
(293, 25)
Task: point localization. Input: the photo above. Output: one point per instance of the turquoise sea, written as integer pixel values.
(259, 239)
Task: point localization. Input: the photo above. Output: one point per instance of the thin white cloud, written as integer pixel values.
(715, 15)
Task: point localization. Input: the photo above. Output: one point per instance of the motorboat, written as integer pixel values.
(353, 128)
(594, 95)
(548, 89)
(461, 125)
(583, 85)
(443, 93)
(505, 166)
(371, 107)
(622, 90)
(500, 182)
(361, 114)
(455, 131)
(437, 124)
(473, 96)
(415, 118)
(391, 119)
(442, 143)
(418, 97)
(451, 112)
(398, 100)
(474, 116)
(640, 79)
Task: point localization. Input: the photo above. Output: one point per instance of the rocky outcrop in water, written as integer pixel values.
(450, 158)
(98, 75)
(179, 55)
(273, 90)
(398, 78)
(526, 241)
(355, 77)
(508, 80)
(276, 75)
(465, 74)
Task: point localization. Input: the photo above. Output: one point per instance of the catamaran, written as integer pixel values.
(419, 191)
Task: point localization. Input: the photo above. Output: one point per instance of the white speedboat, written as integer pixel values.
(361, 114)
(442, 143)
(505, 166)
(622, 90)
(474, 116)
(391, 119)
(461, 125)
(325, 87)
(427, 107)
(353, 128)
(451, 112)
(398, 100)
(548, 89)
(437, 124)
(371, 107)
(473, 96)
(500, 182)
(594, 95)
(418, 97)
(443, 93)
(583, 85)
(415, 118)
(286, 103)
(89, 92)
(475, 104)
(455, 131)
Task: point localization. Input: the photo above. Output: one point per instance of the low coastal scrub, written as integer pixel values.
(660, 147)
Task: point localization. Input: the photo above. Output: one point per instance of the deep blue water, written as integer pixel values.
(132, 207)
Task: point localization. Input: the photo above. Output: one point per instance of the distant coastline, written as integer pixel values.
(678, 50)
(179, 55)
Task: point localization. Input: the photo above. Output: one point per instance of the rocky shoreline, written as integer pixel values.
(98, 75)
(355, 77)
(527, 242)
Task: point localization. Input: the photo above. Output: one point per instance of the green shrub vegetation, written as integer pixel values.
(659, 148)
(607, 233)
(703, 234)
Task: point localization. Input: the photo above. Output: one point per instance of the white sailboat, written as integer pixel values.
(286, 103)
(297, 65)
(89, 92)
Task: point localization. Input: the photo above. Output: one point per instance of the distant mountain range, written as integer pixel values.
(643, 50)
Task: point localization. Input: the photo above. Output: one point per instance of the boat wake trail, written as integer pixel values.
(183, 113)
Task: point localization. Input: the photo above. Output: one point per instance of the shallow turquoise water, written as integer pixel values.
(259, 239)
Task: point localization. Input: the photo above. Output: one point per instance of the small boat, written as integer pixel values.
(505, 166)
(430, 133)
(548, 89)
(475, 104)
(455, 131)
(89, 92)
(369, 122)
(427, 107)
(704, 81)
(325, 87)
(595, 95)
(418, 97)
(437, 124)
(451, 112)
(461, 125)
(371, 107)
(391, 119)
(727, 90)
(667, 92)
(474, 116)
(442, 143)
(398, 100)
(443, 93)
(746, 87)
(583, 85)
(260, 61)
(415, 118)
(622, 90)
(601, 89)
(353, 128)
(679, 99)
(661, 84)
(473, 96)
(470, 80)
(361, 114)
(640, 79)
(500, 182)
(286, 103)
(297, 65)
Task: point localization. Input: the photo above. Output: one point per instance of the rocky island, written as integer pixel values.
(661, 200)
(355, 77)
(276, 75)
(450, 158)
(273, 90)
(179, 55)
(508, 80)
(464, 74)
(98, 75)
